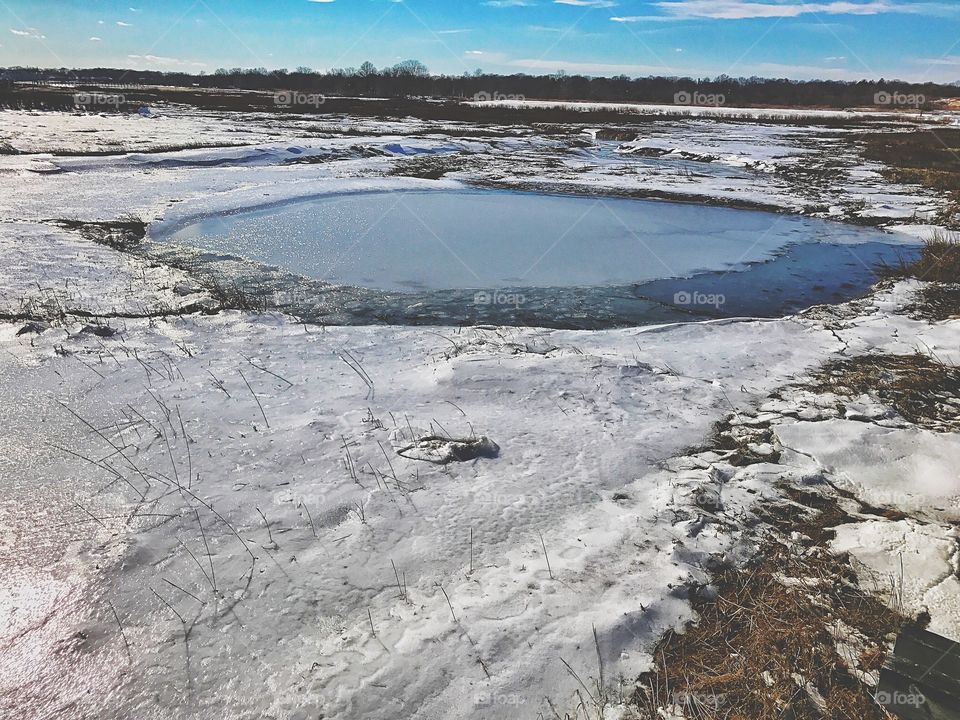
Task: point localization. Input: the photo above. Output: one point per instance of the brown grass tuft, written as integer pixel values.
(763, 647)
(124, 234)
(920, 388)
(939, 260)
(936, 302)
(234, 297)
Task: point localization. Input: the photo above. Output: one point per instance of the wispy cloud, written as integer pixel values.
(166, 61)
(31, 33)
(808, 72)
(946, 61)
(585, 68)
(744, 9)
(649, 18)
(587, 3)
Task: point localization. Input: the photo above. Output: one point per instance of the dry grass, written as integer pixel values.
(939, 260)
(795, 633)
(727, 437)
(124, 234)
(763, 649)
(925, 157)
(796, 517)
(945, 182)
(428, 168)
(926, 149)
(940, 180)
(763, 646)
(936, 302)
(920, 388)
(930, 158)
(938, 265)
(234, 297)
(117, 149)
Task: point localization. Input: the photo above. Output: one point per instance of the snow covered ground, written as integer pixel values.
(810, 170)
(237, 515)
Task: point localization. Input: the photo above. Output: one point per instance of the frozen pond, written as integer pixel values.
(452, 256)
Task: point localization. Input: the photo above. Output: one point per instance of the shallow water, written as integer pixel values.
(465, 256)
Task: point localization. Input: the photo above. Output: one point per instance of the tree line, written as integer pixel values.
(412, 79)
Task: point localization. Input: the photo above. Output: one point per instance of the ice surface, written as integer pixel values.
(492, 240)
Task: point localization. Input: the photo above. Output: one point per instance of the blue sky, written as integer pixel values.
(837, 39)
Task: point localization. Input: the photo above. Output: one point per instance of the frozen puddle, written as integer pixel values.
(450, 256)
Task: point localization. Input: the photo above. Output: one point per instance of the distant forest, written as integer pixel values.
(412, 79)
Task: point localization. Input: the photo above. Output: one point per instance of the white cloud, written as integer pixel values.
(31, 33)
(808, 72)
(647, 18)
(509, 3)
(95, 39)
(743, 9)
(165, 61)
(588, 68)
(587, 3)
(121, 23)
(945, 61)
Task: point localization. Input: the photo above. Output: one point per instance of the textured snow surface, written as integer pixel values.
(292, 157)
(206, 516)
(919, 562)
(907, 468)
(49, 267)
(576, 427)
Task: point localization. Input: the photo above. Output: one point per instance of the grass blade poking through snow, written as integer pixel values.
(254, 397)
